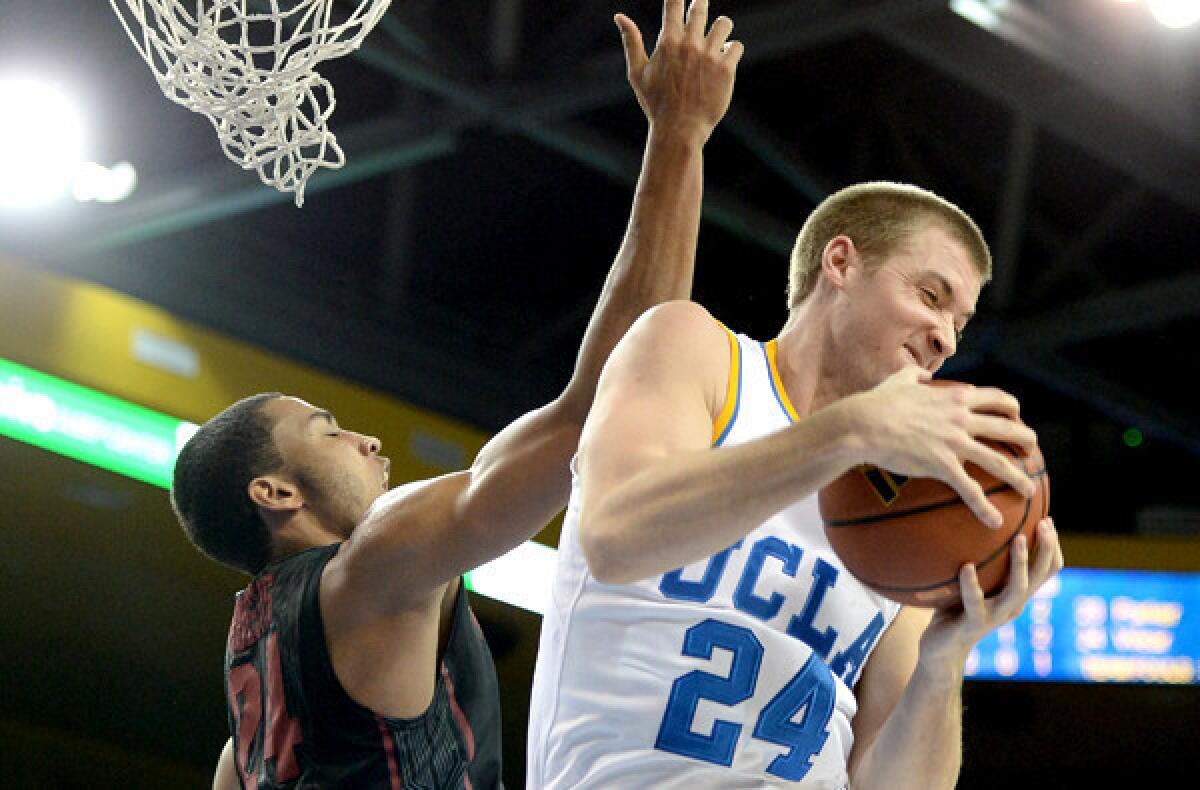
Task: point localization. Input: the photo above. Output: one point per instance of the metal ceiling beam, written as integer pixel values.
(901, 139)
(506, 32)
(1115, 312)
(225, 191)
(221, 193)
(578, 28)
(768, 33)
(978, 59)
(1074, 257)
(400, 219)
(1139, 87)
(1011, 223)
(776, 154)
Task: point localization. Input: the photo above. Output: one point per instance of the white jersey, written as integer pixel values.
(735, 671)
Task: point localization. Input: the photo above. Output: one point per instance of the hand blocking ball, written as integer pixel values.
(907, 538)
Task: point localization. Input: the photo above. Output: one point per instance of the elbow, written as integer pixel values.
(605, 561)
(572, 405)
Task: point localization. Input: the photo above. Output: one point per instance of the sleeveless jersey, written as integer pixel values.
(735, 671)
(294, 726)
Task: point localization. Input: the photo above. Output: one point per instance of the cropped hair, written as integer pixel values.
(209, 491)
(878, 216)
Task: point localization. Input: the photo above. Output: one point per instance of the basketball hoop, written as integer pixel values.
(253, 74)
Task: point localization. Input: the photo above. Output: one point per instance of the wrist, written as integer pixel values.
(943, 672)
(689, 135)
(852, 425)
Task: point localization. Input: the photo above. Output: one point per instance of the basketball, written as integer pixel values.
(907, 538)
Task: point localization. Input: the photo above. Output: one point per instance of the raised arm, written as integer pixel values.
(684, 91)
(521, 478)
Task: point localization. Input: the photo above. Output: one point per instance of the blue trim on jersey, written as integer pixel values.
(737, 399)
(767, 360)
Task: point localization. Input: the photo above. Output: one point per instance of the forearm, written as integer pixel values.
(920, 744)
(690, 505)
(656, 257)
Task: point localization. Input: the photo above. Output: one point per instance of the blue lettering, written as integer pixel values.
(811, 691)
(849, 662)
(801, 625)
(673, 585)
(675, 733)
(744, 597)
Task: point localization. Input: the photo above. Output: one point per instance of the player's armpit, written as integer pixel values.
(657, 399)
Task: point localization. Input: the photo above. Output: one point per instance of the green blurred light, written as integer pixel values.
(137, 442)
(133, 441)
(89, 426)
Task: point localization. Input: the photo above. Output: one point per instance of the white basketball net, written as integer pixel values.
(249, 67)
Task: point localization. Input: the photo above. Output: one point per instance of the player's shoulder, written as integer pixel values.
(678, 311)
(677, 345)
(680, 321)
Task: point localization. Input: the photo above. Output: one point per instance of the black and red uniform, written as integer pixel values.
(294, 726)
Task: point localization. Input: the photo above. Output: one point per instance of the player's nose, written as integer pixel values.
(370, 445)
(942, 345)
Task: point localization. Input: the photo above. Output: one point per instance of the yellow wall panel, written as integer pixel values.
(85, 333)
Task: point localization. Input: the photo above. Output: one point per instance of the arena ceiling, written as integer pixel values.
(492, 148)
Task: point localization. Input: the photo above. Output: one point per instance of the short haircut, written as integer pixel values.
(878, 216)
(209, 491)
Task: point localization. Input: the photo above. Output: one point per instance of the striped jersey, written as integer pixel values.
(294, 726)
(734, 671)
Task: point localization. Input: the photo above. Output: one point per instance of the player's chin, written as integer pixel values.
(907, 359)
(905, 362)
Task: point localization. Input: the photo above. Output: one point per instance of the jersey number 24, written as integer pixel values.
(811, 690)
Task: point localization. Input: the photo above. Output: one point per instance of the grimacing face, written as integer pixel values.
(339, 472)
(911, 309)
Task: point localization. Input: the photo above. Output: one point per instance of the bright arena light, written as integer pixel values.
(984, 13)
(41, 143)
(104, 184)
(1175, 14)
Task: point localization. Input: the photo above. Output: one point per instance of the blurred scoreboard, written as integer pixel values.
(1090, 625)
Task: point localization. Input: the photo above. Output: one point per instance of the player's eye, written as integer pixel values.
(930, 295)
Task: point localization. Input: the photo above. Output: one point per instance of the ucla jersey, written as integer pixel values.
(735, 671)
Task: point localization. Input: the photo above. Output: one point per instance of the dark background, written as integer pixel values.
(492, 148)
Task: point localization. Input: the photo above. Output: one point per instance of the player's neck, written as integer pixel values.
(801, 357)
(299, 532)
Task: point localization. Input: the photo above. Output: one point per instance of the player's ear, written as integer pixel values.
(275, 493)
(836, 260)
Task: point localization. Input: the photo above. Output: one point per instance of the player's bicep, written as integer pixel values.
(657, 397)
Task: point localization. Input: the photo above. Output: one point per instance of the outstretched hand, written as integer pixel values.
(953, 632)
(687, 83)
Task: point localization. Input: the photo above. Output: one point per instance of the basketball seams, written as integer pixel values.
(875, 519)
(1039, 475)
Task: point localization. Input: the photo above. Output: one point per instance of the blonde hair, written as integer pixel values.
(877, 216)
